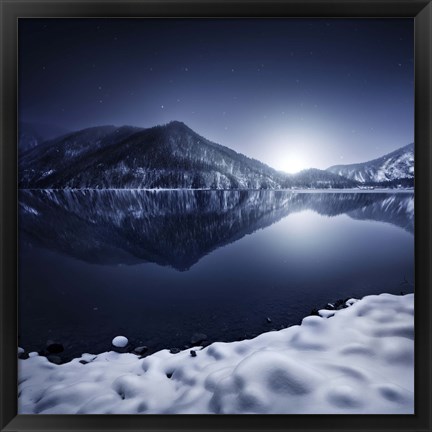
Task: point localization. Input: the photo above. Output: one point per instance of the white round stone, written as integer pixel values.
(120, 341)
(20, 350)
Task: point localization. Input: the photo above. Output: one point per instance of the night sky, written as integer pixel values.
(293, 93)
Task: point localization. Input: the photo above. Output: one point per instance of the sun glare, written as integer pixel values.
(292, 164)
(294, 150)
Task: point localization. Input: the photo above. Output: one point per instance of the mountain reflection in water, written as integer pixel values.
(177, 228)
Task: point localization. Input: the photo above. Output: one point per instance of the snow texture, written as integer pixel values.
(359, 360)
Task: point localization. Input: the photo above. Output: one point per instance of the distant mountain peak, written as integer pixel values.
(405, 148)
(180, 127)
(393, 166)
(177, 123)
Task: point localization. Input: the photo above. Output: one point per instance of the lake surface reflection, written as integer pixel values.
(159, 266)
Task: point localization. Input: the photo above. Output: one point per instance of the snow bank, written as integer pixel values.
(355, 360)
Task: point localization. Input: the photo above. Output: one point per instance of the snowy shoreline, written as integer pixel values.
(354, 360)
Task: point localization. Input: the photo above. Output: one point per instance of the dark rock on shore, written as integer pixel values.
(337, 305)
(340, 304)
(140, 350)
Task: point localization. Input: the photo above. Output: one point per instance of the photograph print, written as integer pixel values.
(216, 216)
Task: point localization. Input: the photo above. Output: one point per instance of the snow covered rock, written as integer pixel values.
(120, 341)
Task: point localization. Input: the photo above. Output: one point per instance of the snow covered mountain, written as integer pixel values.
(390, 168)
(172, 156)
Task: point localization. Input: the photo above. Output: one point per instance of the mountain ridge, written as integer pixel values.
(31, 135)
(169, 156)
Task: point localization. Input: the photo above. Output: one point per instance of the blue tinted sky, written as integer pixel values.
(293, 93)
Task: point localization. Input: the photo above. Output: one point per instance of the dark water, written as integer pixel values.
(158, 266)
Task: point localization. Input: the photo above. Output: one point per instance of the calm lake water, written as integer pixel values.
(159, 266)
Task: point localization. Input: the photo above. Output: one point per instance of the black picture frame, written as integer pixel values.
(420, 10)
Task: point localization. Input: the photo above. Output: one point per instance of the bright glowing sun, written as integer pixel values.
(292, 164)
